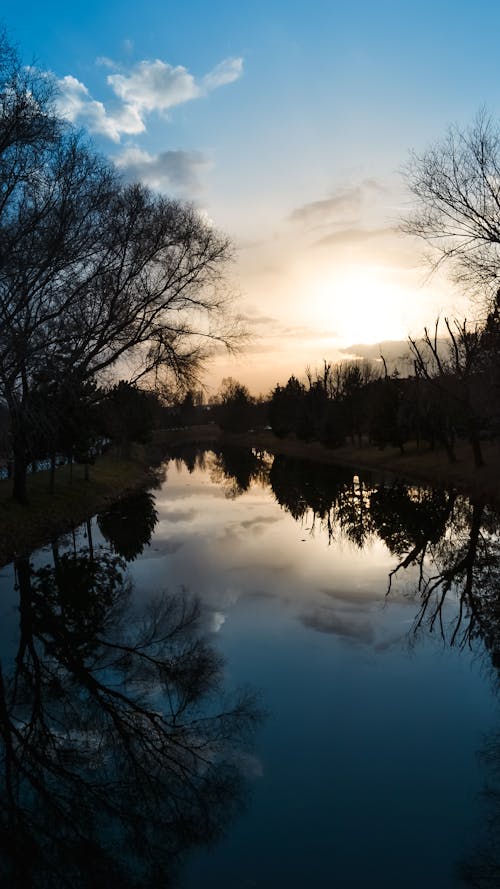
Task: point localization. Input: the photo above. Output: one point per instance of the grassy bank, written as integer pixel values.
(22, 528)
(416, 464)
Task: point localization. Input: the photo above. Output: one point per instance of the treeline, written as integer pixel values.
(452, 394)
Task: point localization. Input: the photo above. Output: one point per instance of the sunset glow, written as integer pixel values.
(286, 138)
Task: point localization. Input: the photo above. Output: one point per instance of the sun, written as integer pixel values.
(363, 305)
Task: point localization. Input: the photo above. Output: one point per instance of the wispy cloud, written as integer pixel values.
(177, 169)
(225, 72)
(344, 204)
(147, 87)
(348, 626)
(257, 319)
(354, 236)
(302, 332)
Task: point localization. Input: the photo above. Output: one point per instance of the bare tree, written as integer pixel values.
(93, 271)
(454, 371)
(457, 186)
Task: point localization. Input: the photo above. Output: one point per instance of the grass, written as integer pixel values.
(23, 528)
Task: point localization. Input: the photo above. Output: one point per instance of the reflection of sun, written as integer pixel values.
(363, 307)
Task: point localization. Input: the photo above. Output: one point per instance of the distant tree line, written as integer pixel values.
(453, 393)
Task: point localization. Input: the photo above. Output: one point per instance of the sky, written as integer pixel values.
(289, 125)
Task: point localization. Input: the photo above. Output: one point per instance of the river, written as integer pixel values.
(265, 672)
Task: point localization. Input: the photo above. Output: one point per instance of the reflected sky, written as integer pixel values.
(366, 772)
(371, 746)
(229, 550)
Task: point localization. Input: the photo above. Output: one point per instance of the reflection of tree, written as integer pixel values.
(336, 498)
(408, 519)
(455, 544)
(190, 455)
(237, 468)
(112, 760)
(128, 524)
(464, 560)
(481, 868)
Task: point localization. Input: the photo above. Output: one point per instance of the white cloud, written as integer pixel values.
(155, 86)
(177, 169)
(76, 104)
(149, 86)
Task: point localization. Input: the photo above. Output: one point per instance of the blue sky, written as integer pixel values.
(288, 124)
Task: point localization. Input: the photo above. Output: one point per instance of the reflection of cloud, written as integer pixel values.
(167, 547)
(259, 522)
(261, 594)
(353, 596)
(179, 515)
(164, 170)
(149, 86)
(265, 565)
(344, 203)
(250, 764)
(218, 621)
(324, 620)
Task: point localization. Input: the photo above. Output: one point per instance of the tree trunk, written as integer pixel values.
(19, 489)
(20, 454)
(52, 477)
(476, 450)
(450, 452)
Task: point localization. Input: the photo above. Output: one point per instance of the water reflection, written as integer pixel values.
(108, 707)
(128, 524)
(453, 543)
(115, 755)
(447, 546)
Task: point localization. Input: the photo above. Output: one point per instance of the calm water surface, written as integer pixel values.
(360, 701)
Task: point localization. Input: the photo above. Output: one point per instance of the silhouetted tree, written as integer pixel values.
(234, 412)
(457, 212)
(285, 407)
(92, 271)
(126, 416)
(455, 373)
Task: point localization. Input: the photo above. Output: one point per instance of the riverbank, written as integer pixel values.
(415, 464)
(24, 528)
